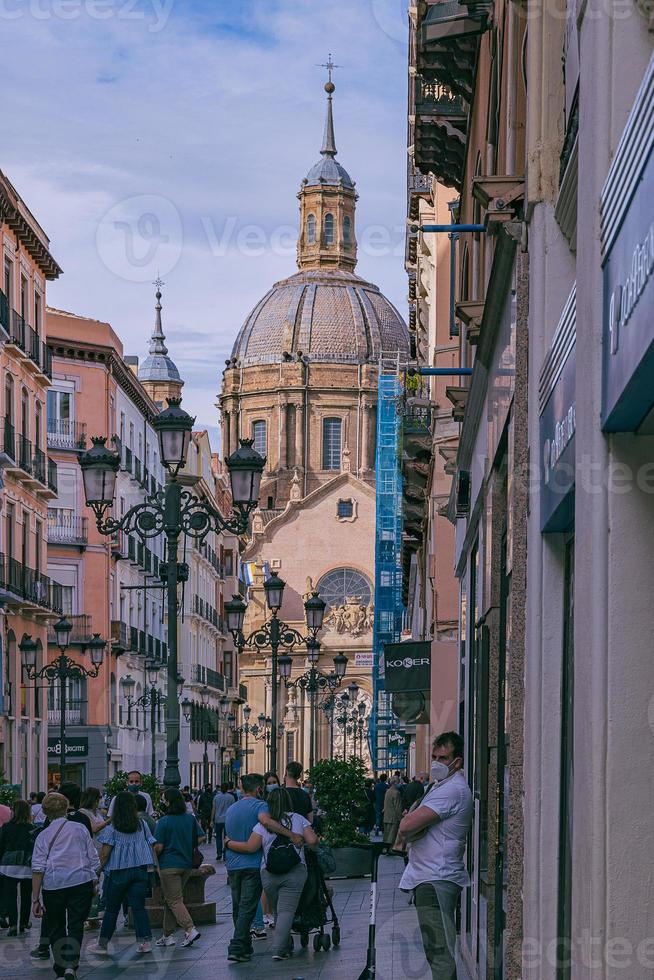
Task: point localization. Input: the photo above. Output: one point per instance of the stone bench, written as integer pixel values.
(200, 910)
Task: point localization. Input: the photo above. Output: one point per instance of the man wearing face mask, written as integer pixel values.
(134, 786)
(436, 832)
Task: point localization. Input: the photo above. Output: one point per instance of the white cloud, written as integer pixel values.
(220, 115)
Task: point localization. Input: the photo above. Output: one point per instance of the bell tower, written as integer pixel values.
(327, 238)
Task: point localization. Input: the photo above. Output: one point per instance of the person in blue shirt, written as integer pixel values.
(244, 870)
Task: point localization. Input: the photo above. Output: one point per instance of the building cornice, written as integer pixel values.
(15, 213)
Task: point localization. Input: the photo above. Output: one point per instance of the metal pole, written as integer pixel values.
(274, 643)
(480, 229)
(153, 705)
(246, 748)
(331, 734)
(312, 723)
(432, 372)
(62, 719)
(172, 521)
(205, 757)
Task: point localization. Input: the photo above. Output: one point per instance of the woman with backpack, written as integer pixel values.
(283, 866)
(16, 847)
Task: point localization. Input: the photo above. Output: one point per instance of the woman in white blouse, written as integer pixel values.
(65, 868)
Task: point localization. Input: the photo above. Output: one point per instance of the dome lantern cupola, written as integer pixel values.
(158, 373)
(327, 205)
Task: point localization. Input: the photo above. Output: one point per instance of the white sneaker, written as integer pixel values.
(165, 941)
(145, 947)
(190, 937)
(97, 949)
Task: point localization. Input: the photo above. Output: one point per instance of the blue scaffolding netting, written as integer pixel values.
(388, 570)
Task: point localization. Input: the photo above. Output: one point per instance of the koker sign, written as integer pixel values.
(407, 667)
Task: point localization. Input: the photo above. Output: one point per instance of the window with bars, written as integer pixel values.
(345, 508)
(331, 444)
(260, 436)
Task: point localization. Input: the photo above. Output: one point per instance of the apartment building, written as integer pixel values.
(29, 599)
(109, 585)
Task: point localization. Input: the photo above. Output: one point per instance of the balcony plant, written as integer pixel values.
(339, 788)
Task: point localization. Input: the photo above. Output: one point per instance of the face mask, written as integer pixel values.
(132, 788)
(439, 771)
(272, 786)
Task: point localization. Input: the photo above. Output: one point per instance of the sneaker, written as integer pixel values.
(267, 920)
(239, 957)
(40, 953)
(97, 949)
(190, 937)
(281, 956)
(165, 941)
(70, 974)
(258, 933)
(145, 947)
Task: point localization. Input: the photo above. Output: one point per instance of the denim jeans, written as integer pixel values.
(219, 831)
(245, 885)
(128, 885)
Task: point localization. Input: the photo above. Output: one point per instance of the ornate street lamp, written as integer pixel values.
(276, 635)
(174, 511)
(62, 669)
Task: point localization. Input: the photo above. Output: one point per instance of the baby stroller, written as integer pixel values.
(315, 910)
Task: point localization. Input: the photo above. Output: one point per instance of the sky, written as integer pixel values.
(170, 137)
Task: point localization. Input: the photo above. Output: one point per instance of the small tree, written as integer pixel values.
(340, 791)
(118, 784)
(7, 792)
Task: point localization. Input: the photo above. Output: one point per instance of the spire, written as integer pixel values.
(157, 341)
(329, 140)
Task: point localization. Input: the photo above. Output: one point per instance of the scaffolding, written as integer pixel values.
(388, 569)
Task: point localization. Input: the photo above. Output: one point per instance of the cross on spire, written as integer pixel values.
(330, 66)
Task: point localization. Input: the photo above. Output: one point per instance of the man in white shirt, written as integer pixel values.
(134, 786)
(436, 833)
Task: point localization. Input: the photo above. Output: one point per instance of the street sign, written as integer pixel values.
(76, 747)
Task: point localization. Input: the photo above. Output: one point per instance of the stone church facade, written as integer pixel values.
(302, 382)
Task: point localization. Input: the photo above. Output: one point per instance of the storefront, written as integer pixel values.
(86, 755)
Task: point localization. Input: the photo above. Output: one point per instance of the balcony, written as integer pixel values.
(17, 330)
(65, 528)
(8, 446)
(205, 675)
(82, 633)
(21, 585)
(134, 639)
(74, 714)
(120, 639)
(127, 460)
(205, 611)
(66, 434)
(440, 131)
(136, 471)
(4, 313)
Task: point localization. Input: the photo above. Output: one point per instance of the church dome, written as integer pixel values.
(157, 366)
(324, 314)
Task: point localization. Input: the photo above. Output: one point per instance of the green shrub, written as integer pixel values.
(118, 784)
(340, 791)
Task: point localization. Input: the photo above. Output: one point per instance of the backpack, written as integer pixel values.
(282, 856)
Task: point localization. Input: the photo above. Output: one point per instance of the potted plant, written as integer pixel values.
(8, 791)
(339, 788)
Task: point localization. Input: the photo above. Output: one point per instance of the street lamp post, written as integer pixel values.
(154, 699)
(62, 669)
(173, 512)
(274, 635)
(311, 682)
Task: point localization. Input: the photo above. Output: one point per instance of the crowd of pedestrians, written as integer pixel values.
(69, 852)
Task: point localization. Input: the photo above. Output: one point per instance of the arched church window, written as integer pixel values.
(311, 229)
(329, 229)
(347, 230)
(343, 586)
(331, 443)
(260, 436)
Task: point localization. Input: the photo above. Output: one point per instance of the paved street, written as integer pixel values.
(399, 953)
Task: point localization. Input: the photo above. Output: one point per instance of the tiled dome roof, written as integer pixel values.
(328, 315)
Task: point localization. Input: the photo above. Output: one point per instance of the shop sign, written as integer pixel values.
(628, 271)
(407, 666)
(398, 740)
(76, 748)
(364, 659)
(557, 426)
